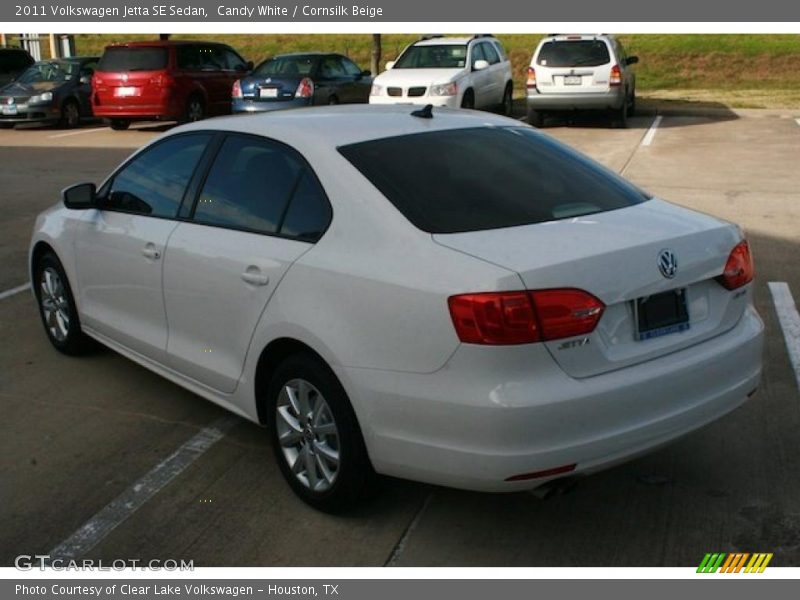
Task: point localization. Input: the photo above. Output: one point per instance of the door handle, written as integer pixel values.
(254, 276)
(150, 251)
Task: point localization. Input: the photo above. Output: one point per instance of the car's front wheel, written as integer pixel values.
(315, 435)
(507, 105)
(57, 307)
(70, 114)
(468, 101)
(119, 124)
(536, 118)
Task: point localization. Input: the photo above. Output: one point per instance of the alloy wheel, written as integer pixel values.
(54, 303)
(195, 110)
(308, 435)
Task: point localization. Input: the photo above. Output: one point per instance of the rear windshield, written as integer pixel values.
(445, 56)
(286, 66)
(133, 59)
(579, 53)
(487, 178)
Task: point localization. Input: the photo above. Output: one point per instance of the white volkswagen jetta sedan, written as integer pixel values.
(440, 295)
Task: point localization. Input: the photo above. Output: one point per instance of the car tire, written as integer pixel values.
(57, 307)
(468, 100)
(333, 101)
(619, 118)
(195, 109)
(536, 118)
(507, 105)
(70, 114)
(632, 105)
(315, 435)
(119, 124)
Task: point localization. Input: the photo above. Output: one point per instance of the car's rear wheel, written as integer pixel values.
(119, 124)
(70, 114)
(333, 100)
(468, 101)
(57, 307)
(536, 118)
(195, 110)
(632, 105)
(619, 117)
(315, 435)
(507, 106)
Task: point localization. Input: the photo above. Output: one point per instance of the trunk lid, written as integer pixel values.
(614, 256)
(270, 89)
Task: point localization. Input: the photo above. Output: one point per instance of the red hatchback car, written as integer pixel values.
(165, 80)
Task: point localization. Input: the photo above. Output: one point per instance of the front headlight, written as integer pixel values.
(445, 89)
(376, 90)
(43, 97)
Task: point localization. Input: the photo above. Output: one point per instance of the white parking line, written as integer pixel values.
(14, 291)
(651, 133)
(789, 320)
(79, 132)
(128, 502)
(797, 121)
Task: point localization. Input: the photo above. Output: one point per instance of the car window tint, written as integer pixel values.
(490, 53)
(212, 58)
(501, 51)
(233, 61)
(487, 178)
(331, 68)
(350, 67)
(477, 54)
(445, 56)
(576, 53)
(309, 212)
(248, 186)
(154, 182)
(188, 57)
(288, 66)
(133, 59)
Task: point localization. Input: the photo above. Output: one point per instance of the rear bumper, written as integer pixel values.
(493, 413)
(610, 100)
(244, 105)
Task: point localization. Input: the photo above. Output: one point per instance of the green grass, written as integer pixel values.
(667, 62)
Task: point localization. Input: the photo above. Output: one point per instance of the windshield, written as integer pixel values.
(286, 66)
(487, 178)
(133, 59)
(49, 71)
(581, 53)
(445, 56)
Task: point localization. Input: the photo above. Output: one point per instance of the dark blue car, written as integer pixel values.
(307, 79)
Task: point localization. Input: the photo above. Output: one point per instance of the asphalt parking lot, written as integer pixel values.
(78, 433)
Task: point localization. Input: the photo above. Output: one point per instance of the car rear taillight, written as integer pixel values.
(236, 90)
(616, 76)
(305, 89)
(531, 82)
(739, 269)
(502, 318)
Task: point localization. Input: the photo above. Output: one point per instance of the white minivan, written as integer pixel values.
(581, 72)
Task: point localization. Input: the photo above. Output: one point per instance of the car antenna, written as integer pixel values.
(424, 113)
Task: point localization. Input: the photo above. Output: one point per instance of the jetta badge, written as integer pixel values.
(667, 263)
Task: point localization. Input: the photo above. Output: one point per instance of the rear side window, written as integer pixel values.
(487, 178)
(154, 182)
(258, 185)
(133, 59)
(577, 53)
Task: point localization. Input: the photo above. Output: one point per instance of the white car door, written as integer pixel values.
(481, 80)
(496, 82)
(120, 247)
(259, 210)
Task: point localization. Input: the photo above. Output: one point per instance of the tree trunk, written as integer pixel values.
(375, 66)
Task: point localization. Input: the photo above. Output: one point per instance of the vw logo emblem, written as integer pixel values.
(10, 101)
(268, 80)
(667, 263)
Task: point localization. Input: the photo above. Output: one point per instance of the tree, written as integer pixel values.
(375, 65)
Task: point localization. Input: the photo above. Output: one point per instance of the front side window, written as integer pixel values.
(444, 56)
(260, 186)
(331, 68)
(487, 178)
(154, 182)
(490, 53)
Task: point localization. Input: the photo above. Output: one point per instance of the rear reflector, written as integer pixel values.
(739, 269)
(531, 81)
(616, 76)
(505, 318)
(545, 473)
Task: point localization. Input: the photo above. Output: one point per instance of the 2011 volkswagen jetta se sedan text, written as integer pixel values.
(445, 296)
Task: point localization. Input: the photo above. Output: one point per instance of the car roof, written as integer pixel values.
(309, 53)
(334, 126)
(568, 37)
(68, 59)
(162, 43)
(441, 41)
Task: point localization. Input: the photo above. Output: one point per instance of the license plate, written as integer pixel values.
(267, 92)
(661, 314)
(10, 109)
(572, 80)
(125, 91)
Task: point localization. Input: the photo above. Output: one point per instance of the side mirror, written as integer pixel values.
(480, 65)
(389, 65)
(80, 197)
(631, 60)
(366, 73)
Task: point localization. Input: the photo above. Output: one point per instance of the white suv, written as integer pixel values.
(456, 72)
(581, 72)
